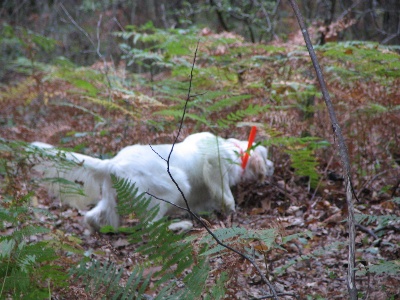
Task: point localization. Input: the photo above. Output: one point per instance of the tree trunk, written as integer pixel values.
(391, 21)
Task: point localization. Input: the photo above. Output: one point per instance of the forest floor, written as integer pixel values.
(54, 112)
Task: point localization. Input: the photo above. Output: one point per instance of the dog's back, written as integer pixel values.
(72, 177)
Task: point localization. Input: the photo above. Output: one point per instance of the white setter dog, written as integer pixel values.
(203, 165)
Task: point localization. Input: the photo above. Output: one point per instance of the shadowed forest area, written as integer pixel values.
(96, 76)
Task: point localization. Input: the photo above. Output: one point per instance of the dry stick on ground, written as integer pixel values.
(351, 285)
(192, 214)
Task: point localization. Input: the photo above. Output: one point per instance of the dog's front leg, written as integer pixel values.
(217, 182)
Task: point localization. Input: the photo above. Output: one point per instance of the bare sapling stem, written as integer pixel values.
(342, 151)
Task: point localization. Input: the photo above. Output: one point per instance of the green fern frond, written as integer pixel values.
(27, 231)
(173, 250)
(6, 216)
(112, 106)
(391, 267)
(162, 247)
(396, 200)
(373, 109)
(103, 280)
(381, 220)
(368, 60)
(195, 282)
(239, 235)
(291, 141)
(305, 163)
(7, 247)
(227, 102)
(177, 114)
(302, 151)
(239, 115)
(25, 267)
(316, 253)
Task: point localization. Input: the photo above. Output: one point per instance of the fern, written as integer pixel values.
(391, 267)
(313, 255)
(23, 48)
(239, 115)
(103, 281)
(304, 162)
(177, 114)
(162, 247)
(173, 251)
(23, 87)
(302, 152)
(159, 47)
(242, 236)
(27, 269)
(112, 106)
(227, 102)
(374, 109)
(369, 61)
(382, 220)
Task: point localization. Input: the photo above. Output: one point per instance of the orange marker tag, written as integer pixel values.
(246, 155)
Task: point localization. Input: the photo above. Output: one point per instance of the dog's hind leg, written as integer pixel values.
(104, 213)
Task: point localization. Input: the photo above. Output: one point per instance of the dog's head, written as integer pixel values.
(258, 166)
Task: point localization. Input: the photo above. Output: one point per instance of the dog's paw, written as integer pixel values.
(181, 226)
(100, 216)
(229, 207)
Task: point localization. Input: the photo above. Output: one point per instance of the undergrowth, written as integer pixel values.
(235, 84)
(28, 267)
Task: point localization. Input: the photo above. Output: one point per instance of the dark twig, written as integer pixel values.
(218, 241)
(351, 278)
(367, 230)
(319, 183)
(394, 189)
(282, 190)
(369, 182)
(180, 130)
(167, 201)
(192, 214)
(279, 294)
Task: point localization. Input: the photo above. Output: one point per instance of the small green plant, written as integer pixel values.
(23, 50)
(28, 268)
(162, 247)
(382, 221)
(369, 61)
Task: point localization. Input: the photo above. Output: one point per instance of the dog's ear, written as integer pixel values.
(257, 166)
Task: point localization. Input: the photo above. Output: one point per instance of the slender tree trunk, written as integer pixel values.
(391, 21)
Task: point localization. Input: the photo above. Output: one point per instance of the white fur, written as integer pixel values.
(203, 165)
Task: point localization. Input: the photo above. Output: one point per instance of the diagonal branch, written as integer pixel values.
(351, 285)
(192, 214)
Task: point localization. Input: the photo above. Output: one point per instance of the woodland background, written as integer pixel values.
(95, 76)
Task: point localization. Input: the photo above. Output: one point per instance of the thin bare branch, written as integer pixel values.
(192, 214)
(351, 284)
(96, 47)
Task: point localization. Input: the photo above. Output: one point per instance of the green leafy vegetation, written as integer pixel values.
(101, 108)
(366, 60)
(28, 267)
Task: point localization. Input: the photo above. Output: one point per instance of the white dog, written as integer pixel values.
(203, 165)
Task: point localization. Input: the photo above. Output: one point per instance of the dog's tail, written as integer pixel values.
(74, 178)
